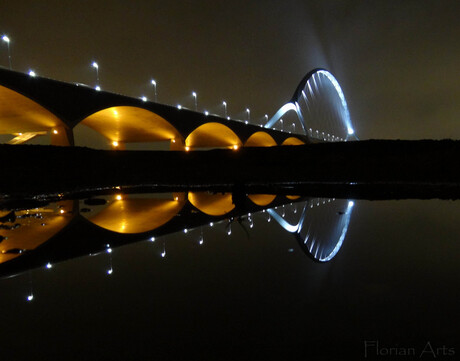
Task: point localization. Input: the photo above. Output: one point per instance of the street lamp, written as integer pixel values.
(224, 103)
(249, 115)
(96, 66)
(196, 100)
(6, 39)
(154, 83)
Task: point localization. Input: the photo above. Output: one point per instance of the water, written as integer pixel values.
(243, 287)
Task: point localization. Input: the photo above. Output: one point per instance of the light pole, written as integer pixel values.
(282, 125)
(249, 115)
(6, 39)
(154, 83)
(96, 66)
(225, 108)
(196, 101)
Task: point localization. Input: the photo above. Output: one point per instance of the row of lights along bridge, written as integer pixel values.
(95, 65)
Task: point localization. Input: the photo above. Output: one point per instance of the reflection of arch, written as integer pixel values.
(212, 204)
(27, 119)
(292, 197)
(322, 227)
(137, 215)
(262, 199)
(292, 141)
(212, 135)
(260, 139)
(127, 124)
(36, 227)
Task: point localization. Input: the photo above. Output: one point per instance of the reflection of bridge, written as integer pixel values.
(67, 229)
(31, 106)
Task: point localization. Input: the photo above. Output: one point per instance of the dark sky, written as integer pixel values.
(397, 61)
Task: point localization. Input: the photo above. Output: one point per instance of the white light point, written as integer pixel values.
(98, 88)
(32, 73)
(49, 265)
(144, 98)
(30, 297)
(94, 65)
(152, 239)
(110, 271)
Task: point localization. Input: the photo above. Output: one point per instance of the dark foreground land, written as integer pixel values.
(374, 169)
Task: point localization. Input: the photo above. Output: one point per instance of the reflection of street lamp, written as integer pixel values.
(96, 66)
(154, 83)
(6, 39)
(196, 100)
(225, 108)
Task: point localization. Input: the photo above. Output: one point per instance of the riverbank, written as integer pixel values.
(380, 168)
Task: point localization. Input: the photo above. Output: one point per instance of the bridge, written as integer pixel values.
(32, 106)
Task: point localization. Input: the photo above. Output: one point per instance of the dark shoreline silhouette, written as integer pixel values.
(373, 169)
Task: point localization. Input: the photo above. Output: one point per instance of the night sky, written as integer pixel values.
(397, 61)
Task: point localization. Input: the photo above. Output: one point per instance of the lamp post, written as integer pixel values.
(224, 103)
(249, 115)
(154, 83)
(6, 39)
(196, 100)
(96, 66)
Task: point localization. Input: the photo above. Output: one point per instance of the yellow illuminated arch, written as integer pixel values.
(262, 199)
(292, 197)
(260, 139)
(212, 135)
(24, 118)
(292, 141)
(37, 226)
(137, 215)
(212, 204)
(127, 124)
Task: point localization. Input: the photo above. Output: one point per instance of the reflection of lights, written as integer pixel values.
(118, 197)
(185, 230)
(49, 265)
(110, 271)
(187, 149)
(30, 297)
(176, 198)
(163, 254)
(109, 250)
(152, 239)
(211, 224)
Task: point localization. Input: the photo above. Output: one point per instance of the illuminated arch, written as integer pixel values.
(127, 124)
(292, 197)
(212, 135)
(26, 119)
(260, 139)
(292, 141)
(262, 199)
(137, 215)
(39, 225)
(212, 204)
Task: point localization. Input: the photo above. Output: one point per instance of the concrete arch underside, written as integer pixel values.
(292, 141)
(25, 119)
(129, 124)
(260, 139)
(212, 135)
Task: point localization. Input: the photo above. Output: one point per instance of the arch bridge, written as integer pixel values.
(32, 106)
